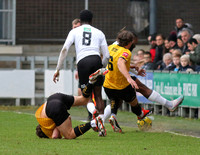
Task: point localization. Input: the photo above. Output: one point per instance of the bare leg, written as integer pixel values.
(70, 133)
(66, 129)
(98, 98)
(144, 90)
(156, 97)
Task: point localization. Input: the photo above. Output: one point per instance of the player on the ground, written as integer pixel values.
(54, 119)
(88, 42)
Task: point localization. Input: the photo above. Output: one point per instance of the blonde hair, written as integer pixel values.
(75, 21)
(167, 56)
(197, 37)
(186, 57)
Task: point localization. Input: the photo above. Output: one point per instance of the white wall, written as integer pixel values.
(64, 85)
(17, 83)
(67, 83)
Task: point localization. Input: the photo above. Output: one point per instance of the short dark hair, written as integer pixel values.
(180, 18)
(180, 38)
(124, 37)
(153, 37)
(192, 40)
(161, 35)
(86, 16)
(147, 53)
(40, 133)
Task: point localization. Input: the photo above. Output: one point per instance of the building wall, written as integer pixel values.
(168, 11)
(49, 21)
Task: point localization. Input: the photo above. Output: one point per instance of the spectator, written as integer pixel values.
(159, 50)
(140, 53)
(148, 65)
(180, 25)
(152, 42)
(167, 63)
(176, 60)
(173, 41)
(177, 52)
(136, 61)
(171, 50)
(197, 37)
(180, 43)
(167, 46)
(185, 36)
(194, 47)
(185, 61)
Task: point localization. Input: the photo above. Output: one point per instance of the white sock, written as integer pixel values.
(102, 116)
(93, 123)
(107, 112)
(142, 114)
(91, 108)
(156, 97)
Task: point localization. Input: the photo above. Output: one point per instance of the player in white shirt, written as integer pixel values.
(88, 41)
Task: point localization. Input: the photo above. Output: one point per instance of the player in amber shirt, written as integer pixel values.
(144, 90)
(54, 119)
(118, 83)
(115, 79)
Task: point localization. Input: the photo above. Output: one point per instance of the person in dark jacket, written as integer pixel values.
(194, 48)
(148, 65)
(181, 25)
(159, 50)
(185, 61)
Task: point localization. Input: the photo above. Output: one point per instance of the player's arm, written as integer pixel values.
(105, 52)
(121, 63)
(138, 71)
(62, 56)
(56, 134)
(106, 55)
(80, 100)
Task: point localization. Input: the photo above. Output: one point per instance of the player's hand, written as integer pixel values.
(134, 66)
(56, 76)
(133, 83)
(142, 72)
(76, 75)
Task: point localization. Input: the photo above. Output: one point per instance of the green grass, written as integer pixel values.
(17, 132)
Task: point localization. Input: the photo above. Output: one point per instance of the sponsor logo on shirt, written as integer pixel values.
(87, 29)
(125, 54)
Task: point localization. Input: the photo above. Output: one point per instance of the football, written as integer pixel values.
(144, 124)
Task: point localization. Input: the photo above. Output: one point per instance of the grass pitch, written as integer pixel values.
(17, 136)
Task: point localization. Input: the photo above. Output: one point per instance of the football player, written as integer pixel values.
(54, 119)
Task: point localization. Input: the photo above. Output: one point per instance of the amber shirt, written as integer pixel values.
(47, 124)
(114, 79)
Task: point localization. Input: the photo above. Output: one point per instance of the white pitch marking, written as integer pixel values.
(180, 134)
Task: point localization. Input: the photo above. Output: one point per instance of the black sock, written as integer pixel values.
(114, 107)
(87, 90)
(136, 109)
(81, 129)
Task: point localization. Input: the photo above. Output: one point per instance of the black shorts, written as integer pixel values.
(57, 106)
(87, 66)
(127, 94)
